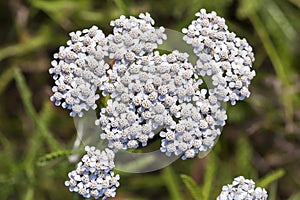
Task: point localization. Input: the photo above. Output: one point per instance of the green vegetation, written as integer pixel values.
(261, 140)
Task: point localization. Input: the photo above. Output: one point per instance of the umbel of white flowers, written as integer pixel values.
(152, 93)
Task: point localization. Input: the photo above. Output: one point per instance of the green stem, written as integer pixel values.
(280, 68)
(172, 183)
(29, 108)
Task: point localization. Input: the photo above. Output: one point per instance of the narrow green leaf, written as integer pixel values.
(210, 172)
(272, 191)
(172, 183)
(244, 157)
(29, 45)
(192, 186)
(5, 78)
(282, 69)
(271, 177)
(42, 161)
(282, 21)
(29, 108)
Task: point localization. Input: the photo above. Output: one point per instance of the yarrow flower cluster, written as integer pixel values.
(221, 55)
(242, 189)
(133, 38)
(79, 69)
(149, 93)
(93, 176)
(161, 91)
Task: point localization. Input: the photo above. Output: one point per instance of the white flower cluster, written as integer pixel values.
(152, 93)
(156, 92)
(93, 176)
(221, 55)
(79, 69)
(242, 189)
(133, 38)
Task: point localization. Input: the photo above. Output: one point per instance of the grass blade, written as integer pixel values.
(29, 108)
(192, 187)
(172, 183)
(210, 172)
(271, 177)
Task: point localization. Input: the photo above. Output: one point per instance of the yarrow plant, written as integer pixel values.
(149, 93)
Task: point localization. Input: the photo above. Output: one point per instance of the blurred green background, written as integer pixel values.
(260, 141)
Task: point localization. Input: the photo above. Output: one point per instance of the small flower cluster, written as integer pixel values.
(93, 176)
(155, 92)
(221, 55)
(242, 189)
(197, 130)
(133, 37)
(79, 70)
